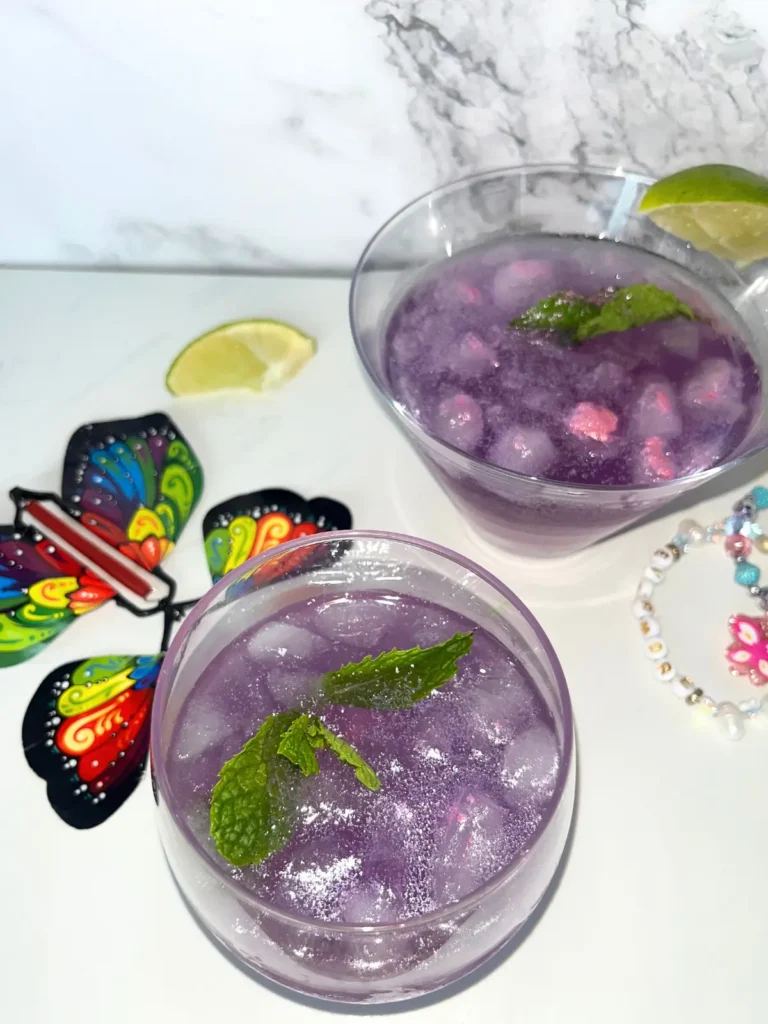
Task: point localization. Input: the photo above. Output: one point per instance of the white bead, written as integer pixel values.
(696, 533)
(645, 589)
(662, 559)
(641, 607)
(681, 688)
(656, 649)
(653, 574)
(649, 627)
(665, 671)
(752, 707)
(731, 719)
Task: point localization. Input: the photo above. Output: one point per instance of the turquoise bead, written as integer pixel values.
(760, 494)
(746, 574)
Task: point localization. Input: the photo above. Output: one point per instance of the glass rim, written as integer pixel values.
(448, 910)
(412, 425)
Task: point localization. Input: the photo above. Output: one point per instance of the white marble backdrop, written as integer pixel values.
(280, 133)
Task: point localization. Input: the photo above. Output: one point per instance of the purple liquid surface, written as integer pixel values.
(639, 407)
(466, 774)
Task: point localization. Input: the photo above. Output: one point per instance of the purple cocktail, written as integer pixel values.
(638, 407)
(545, 439)
(381, 894)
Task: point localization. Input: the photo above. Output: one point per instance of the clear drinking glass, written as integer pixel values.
(520, 513)
(356, 962)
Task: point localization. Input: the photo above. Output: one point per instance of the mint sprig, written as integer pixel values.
(307, 734)
(564, 312)
(396, 679)
(252, 803)
(575, 319)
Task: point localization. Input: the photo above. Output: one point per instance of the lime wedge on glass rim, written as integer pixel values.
(717, 208)
(260, 355)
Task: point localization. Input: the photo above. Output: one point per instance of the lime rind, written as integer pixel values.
(710, 183)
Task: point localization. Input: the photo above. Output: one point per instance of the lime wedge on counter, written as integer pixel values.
(260, 355)
(717, 208)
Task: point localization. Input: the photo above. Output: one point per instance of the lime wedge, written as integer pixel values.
(717, 208)
(260, 355)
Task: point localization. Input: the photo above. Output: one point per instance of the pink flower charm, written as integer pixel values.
(748, 654)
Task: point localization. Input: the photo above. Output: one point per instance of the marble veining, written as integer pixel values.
(228, 133)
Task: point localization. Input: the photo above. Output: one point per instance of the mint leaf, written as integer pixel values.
(347, 753)
(299, 743)
(250, 815)
(308, 734)
(396, 679)
(632, 307)
(563, 312)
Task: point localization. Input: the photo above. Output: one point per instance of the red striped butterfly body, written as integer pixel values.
(128, 489)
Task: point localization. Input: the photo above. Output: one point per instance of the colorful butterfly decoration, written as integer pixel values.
(86, 729)
(128, 489)
(748, 654)
(238, 529)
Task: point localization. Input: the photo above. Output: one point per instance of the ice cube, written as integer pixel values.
(541, 401)
(530, 765)
(491, 718)
(656, 414)
(357, 725)
(515, 697)
(470, 845)
(454, 292)
(699, 457)
(410, 396)
(592, 422)
(290, 686)
(431, 627)
(607, 379)
(435, 738)
(681, 337)
(654, 462)
(206, 729)
(332, 797)
(407, 345)
(715, 387)
(459, 421)
(316, 877)
(519, 285)
(281, 639)
(470, 357)
(372, 903)
(361, 622)
(523, 450)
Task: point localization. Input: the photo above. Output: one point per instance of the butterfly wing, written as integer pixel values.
(42, 591)
(86, 732)
(134, 483)
(249, 524)
(748, 654)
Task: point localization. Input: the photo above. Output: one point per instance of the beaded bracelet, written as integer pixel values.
(730, 716)
(742, 532)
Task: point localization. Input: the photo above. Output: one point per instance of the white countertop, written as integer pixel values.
(661, 911)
